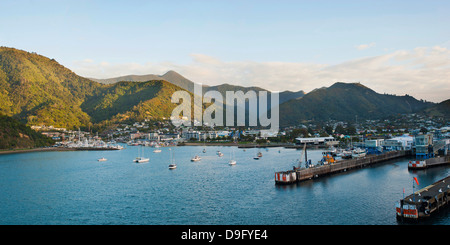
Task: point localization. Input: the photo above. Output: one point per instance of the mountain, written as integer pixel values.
(439, 110)
(14, 134)
(345, 101)
(182, 82)
(170, 76)
(38, 90)
(134, 101)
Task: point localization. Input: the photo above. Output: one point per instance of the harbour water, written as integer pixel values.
(73, 188)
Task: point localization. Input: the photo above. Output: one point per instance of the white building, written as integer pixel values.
(316, 141)
(404, 142)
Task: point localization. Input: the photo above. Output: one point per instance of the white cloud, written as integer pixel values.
(423, 72)
(365, 46)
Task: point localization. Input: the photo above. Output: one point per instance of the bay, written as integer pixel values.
(73, 188)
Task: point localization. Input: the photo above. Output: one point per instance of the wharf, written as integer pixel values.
(424, 202)
(298, 175)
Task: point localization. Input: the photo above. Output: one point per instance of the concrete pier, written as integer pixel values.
(297, 175)
(425, 202)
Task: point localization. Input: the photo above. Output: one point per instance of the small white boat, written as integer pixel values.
(196, 158)
(358, 153)
(220, 154)
(157, 151)
(102, 159)
(172, 165)
(232, 161)
(141, 159)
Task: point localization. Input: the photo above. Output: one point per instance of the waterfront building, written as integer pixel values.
(317, 141)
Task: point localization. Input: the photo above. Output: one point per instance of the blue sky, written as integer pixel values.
(220, 41)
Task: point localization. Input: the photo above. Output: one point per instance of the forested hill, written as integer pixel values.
(16, 135)
(344, 101)
(37, 90)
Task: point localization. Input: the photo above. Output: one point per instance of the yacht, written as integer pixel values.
(172, 165)
(141, 159)
(196, 158)
(232, 161)
(358, 152)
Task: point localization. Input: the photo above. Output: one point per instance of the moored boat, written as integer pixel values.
(141, 159)
(196, 158)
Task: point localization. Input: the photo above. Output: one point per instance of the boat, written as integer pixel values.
(157, 151)
(141, 159)
(327, 158)
(232, 162)
(172, 165)
(358, 152)
(345, 154)
(220, 154)
(102, 159)
(256, 158)
(196, 158)
(259, 154)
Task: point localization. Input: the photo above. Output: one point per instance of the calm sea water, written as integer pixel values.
(74, 188)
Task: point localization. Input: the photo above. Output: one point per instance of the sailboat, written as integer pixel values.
(232, 162)
(140, 159)
(204, 146)
(157, 150)
(172, 165)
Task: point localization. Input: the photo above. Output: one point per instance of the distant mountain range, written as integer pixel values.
(184, 83)
(38, 90)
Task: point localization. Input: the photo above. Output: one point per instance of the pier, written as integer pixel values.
(298, 175)
(424, 202)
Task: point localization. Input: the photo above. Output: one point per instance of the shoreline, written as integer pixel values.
(15, 151)
(251, 145)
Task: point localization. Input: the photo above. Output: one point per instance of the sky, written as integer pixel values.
(396, 47)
